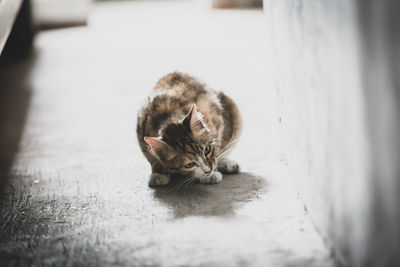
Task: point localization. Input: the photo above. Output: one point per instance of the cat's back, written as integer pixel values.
(182, 85)
(168, 101)
(173, 97)
(178, 91)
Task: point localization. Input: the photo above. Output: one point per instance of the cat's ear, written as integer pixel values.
(160, 148)
(195, 121)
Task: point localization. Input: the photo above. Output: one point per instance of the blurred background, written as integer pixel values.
(59, 13)
(317, 84)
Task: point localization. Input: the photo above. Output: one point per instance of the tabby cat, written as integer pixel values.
(186, 129)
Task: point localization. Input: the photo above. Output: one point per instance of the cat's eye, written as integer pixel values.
(189, 165)
(207, 150)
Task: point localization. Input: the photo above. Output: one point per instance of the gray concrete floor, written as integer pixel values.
(78, 193)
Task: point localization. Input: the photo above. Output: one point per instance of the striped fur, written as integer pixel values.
(179, 120)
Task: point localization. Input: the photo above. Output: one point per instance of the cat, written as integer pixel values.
(186, 129)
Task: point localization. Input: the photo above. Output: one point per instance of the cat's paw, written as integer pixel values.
(214, 178)
(157, 179)
(228, 166)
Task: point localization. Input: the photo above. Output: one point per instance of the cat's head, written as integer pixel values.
(187, 147)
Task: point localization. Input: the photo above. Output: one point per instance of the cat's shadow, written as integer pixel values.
(211, 200)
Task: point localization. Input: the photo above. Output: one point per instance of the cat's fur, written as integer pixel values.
(187, 129)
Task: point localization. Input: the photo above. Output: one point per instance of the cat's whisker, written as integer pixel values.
(192, 181)
(230, 140)
(184, 182)
(172, 188)
(182, 185)
(225, 152)
(226, 148)
(187, 183)
(230, 143)
(179, 186)
(175, 186)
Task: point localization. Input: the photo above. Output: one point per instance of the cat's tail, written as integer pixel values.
(232, 120)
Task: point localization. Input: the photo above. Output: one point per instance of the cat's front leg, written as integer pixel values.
(158, 179)
(214, 178)
(159, 176)
(228, 166)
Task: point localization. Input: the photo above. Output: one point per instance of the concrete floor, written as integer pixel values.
(78, 194)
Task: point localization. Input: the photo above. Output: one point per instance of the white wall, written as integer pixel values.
(339, 119)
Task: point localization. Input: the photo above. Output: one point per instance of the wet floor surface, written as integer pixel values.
(77, 191)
